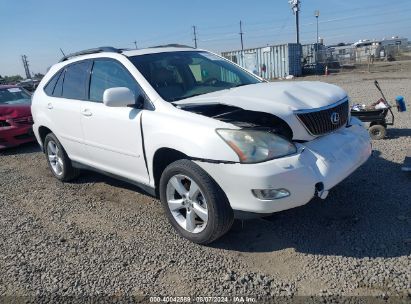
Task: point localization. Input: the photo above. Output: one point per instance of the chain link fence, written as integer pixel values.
(318, 59)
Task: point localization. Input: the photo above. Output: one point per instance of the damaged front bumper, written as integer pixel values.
(13, 136)
(317, 167)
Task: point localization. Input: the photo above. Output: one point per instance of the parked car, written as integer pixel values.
(212, 140)
(15, 116)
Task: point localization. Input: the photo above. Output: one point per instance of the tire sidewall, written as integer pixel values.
(210, 196)
(380, 128)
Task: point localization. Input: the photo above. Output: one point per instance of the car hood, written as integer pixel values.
(279, 99)
(274, 97)
(13, 111)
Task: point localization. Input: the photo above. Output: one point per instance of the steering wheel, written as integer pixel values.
(211, 81)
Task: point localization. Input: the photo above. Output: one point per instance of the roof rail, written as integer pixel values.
(92, 51)
(176, 45)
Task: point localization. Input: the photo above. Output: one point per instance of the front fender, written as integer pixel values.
(188, 133)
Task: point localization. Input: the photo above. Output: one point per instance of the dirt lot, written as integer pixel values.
(98, 236)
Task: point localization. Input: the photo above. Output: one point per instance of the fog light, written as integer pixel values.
(270, 194)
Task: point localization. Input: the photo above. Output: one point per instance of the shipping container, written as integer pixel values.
(269, 62)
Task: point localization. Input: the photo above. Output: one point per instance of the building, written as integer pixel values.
(269, 62)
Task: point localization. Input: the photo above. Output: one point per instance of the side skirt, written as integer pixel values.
(150, 190)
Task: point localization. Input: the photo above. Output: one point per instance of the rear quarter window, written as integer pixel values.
(49, 88)
(70, 82)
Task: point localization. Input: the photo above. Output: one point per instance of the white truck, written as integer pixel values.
(211, 140)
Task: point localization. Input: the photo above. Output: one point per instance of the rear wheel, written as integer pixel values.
(57, 159)
(194, 204)
(377, 132)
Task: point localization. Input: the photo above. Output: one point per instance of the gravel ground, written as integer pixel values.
(99, 236)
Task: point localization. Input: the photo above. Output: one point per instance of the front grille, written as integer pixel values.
(24, 120)
(321, 122)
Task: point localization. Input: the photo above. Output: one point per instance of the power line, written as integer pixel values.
(279, 31)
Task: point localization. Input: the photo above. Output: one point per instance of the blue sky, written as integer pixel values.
(39, 28)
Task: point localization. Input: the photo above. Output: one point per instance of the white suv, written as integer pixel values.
(212, 140)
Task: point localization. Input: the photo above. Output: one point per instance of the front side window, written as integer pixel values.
(180, 75)
(108, 74)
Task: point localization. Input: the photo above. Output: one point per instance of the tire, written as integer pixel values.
(377, 132)
(208, 199)
(58, 161)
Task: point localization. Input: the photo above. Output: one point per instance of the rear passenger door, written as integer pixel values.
(68, 89)
(113, 135)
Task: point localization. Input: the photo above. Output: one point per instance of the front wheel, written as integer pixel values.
(194, 204)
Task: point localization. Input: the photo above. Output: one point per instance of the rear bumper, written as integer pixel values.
(13, 136)
(327, 160)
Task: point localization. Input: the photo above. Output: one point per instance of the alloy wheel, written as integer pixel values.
(187, 203)
(54, 157)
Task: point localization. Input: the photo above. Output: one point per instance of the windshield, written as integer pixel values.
(14, 96)
(180, 75)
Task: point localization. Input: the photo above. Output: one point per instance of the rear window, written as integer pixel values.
(14, 96)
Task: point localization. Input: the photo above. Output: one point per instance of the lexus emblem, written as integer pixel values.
(335, 118)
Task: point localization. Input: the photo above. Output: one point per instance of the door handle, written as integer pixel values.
(86, 112)
(50, 106)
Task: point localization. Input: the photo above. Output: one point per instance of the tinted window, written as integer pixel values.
(58, 89)
(180, 75)
(110, 74)
(14, 95)
(74, 85)
(52, 83)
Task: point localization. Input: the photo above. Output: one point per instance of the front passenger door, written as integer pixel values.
(113, 135)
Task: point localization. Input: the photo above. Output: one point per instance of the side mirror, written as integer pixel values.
(118, 97)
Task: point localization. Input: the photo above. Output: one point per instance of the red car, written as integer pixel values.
(15, 116)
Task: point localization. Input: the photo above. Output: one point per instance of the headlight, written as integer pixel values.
(254, 146)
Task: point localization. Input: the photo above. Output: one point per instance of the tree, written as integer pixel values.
(12, 79)
(38, 76)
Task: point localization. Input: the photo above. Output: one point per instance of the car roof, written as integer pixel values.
(154, 50)
(110, 51)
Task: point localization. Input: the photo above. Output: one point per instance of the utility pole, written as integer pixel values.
(295, 6)
(241, 37)
(316, 14)
(195, 36)
(135, 43)
(26, 66)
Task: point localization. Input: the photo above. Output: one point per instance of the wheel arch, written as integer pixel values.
(161, 159)
(43, 131)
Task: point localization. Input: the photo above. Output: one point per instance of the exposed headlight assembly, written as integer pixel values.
(254, 146)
